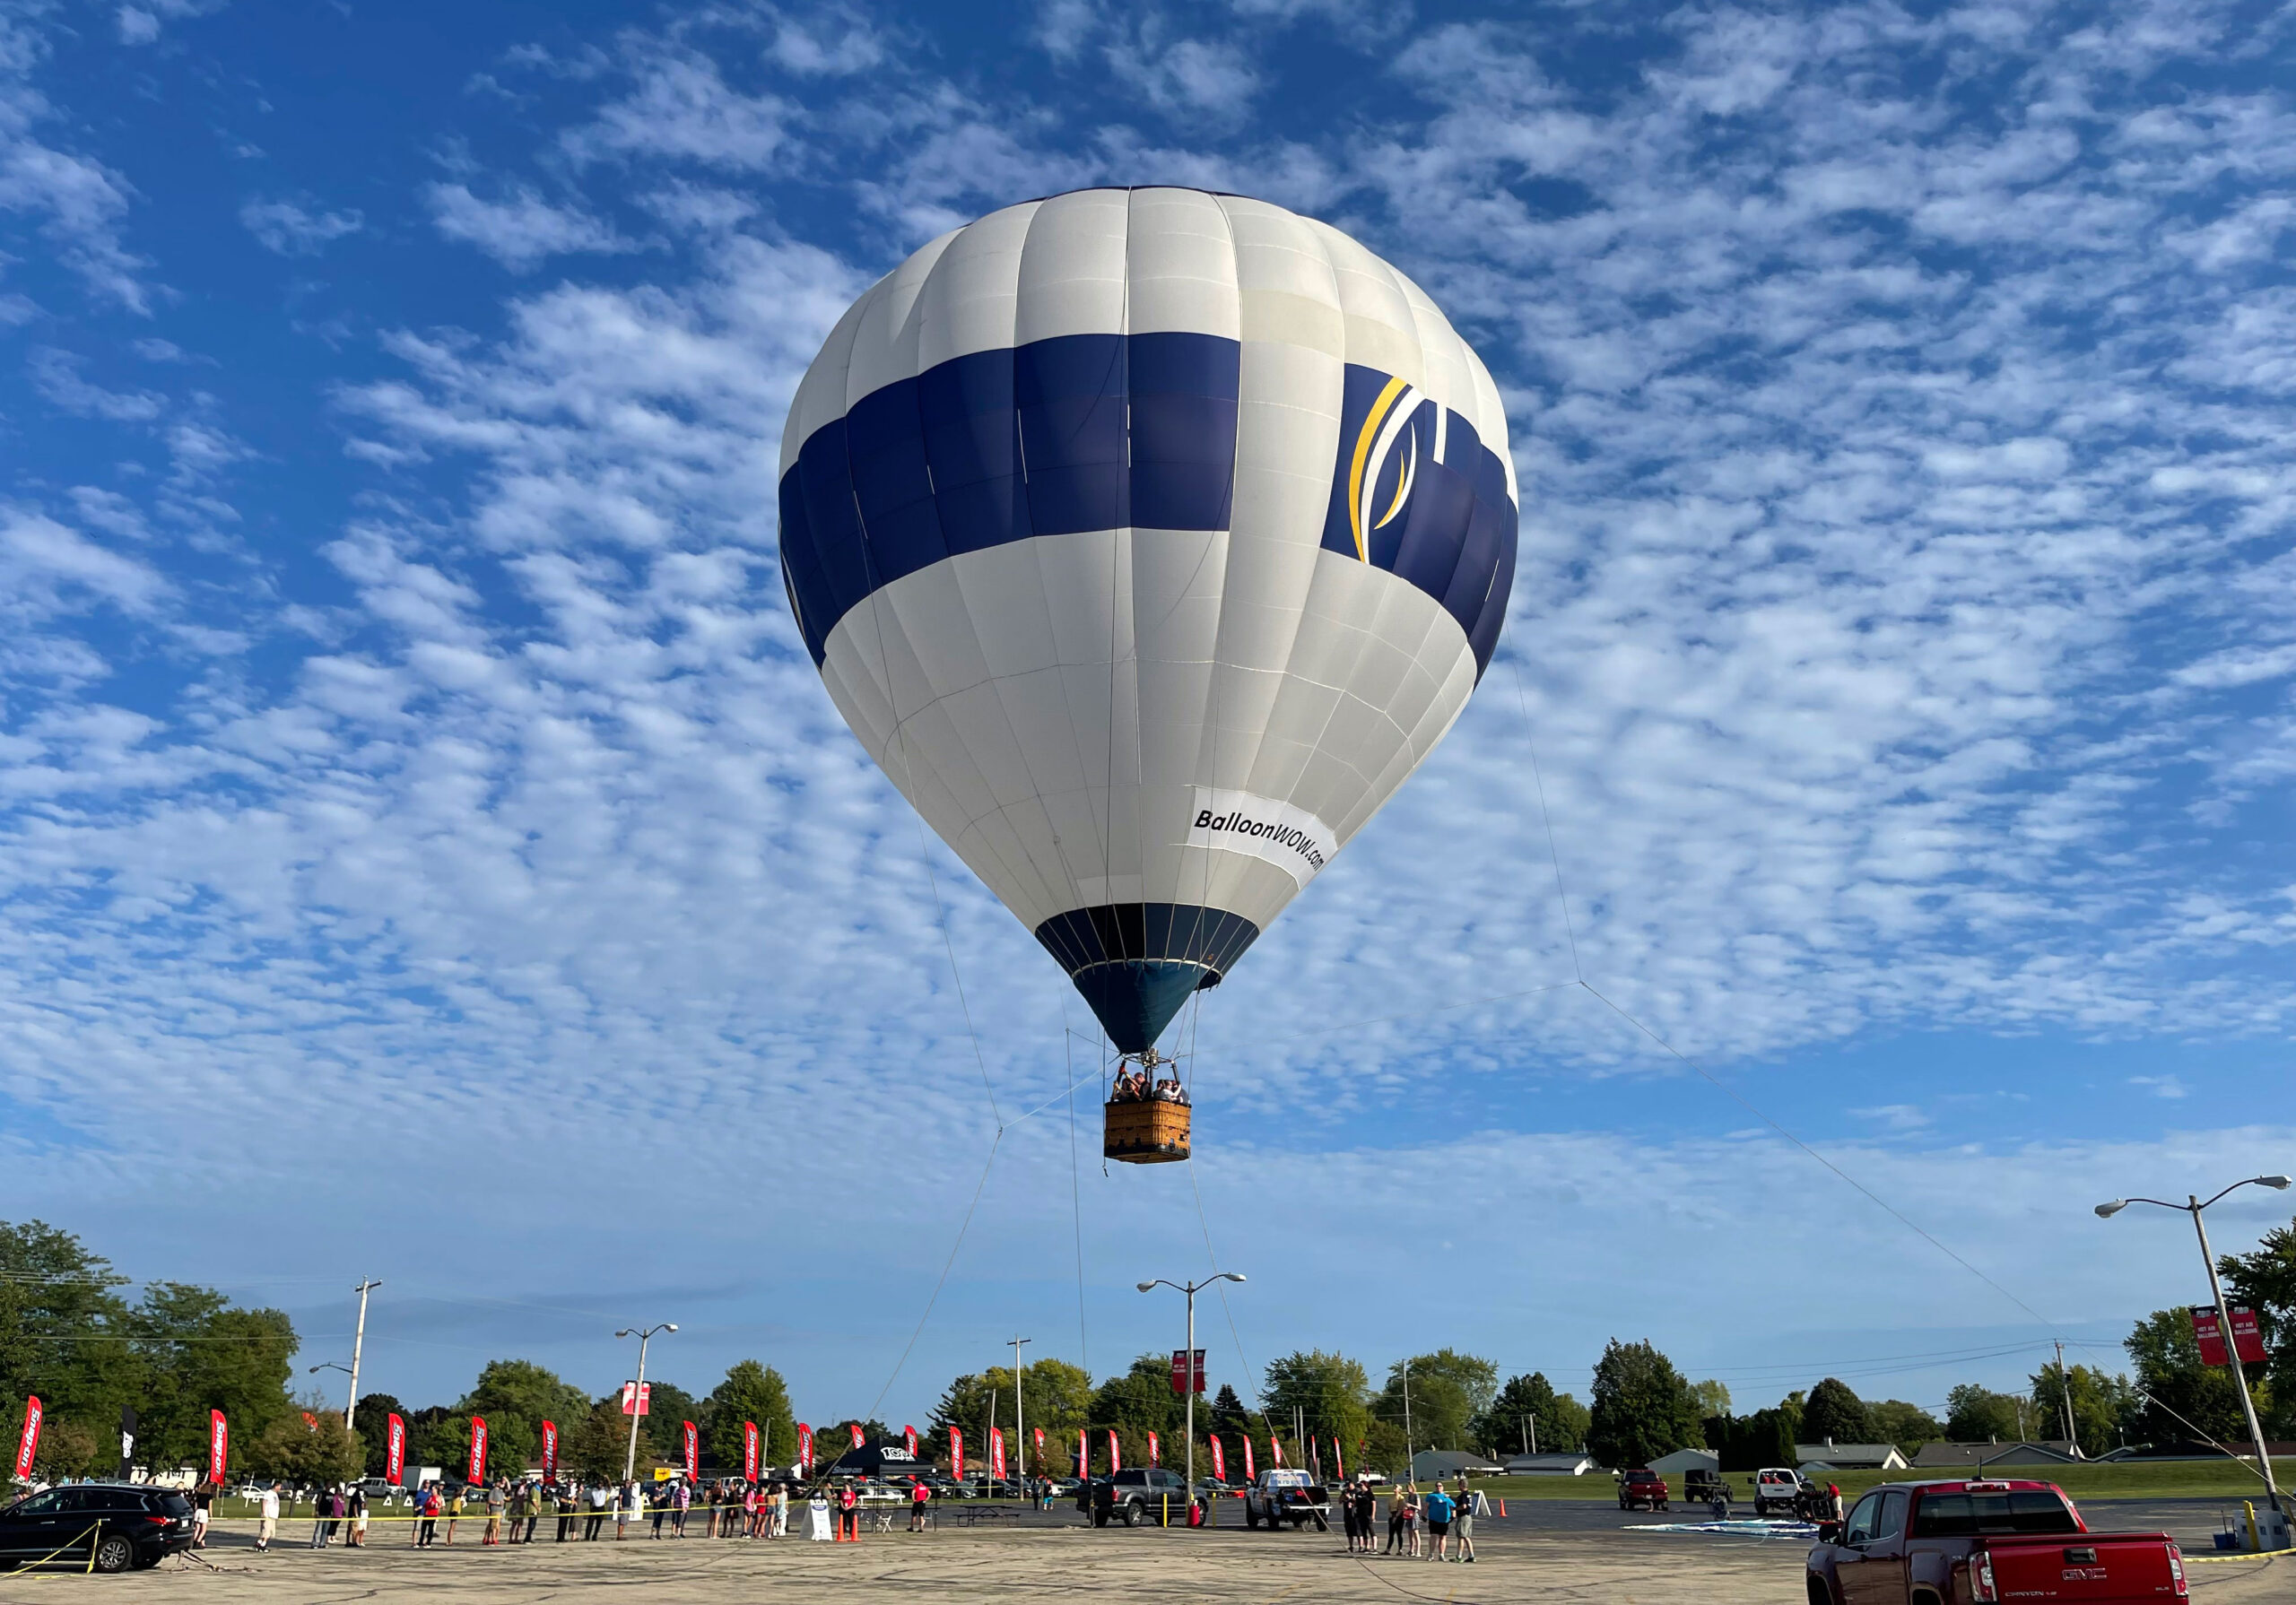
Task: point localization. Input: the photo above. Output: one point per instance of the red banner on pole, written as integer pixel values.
(28, 1440)
(749, 1451)
(1187, 1370)
(637, 1398)
(550, 1451)
(1115, 1462)
(997, 1453)
(1155, 1451)
(956, 1454)
(804, 1449)
(2247, 1338)
(1249, 1473)
(1083, 1463)
(1219, 1460)
(1038, 1433)
(908, 1441)
(2210, 1334)
(854, 1427)
(395, 1449)
(219, 1446)
(478, 1448)
(1338, 1459)
(1275, 1450)
(692, 1435)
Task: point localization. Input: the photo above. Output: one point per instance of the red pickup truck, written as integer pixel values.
(1974, 1543)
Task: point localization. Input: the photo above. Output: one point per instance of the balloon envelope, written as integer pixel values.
(1148, 539)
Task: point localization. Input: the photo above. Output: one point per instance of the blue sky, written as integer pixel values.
(428, 853)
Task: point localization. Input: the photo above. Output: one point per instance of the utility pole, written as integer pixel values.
(1408, 1455)
(2065, 1399)
(1020, 1413)
(358, 1342)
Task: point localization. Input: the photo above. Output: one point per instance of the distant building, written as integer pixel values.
(1429, 1465)
(2037, 1452)
(2198, 1449)
(1851, 1457)
(1573, 1462)
(1682, 1460)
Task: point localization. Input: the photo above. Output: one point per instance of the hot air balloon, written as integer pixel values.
(1148, 539)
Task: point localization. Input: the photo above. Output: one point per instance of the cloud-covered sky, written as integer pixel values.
(428, 851)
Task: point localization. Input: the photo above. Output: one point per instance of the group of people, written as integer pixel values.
(729, 1507)
(1131, 1087)
(1448, 1517)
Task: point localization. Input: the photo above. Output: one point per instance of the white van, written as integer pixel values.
(1775, 1488)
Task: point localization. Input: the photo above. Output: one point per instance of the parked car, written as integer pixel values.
(1284, 1494)
(1135, 1497)
(1776, 1488)
(1641, 1486)
(1985, 1541)
(110, 1525)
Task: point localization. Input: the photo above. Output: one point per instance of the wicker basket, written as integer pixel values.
(1151, 1132)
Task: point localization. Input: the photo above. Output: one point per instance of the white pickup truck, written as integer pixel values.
(1281, 1495)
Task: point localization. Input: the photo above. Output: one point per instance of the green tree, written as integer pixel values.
(1330, 1390)
(2167, 1358)
(1908, 1426)
(197, 1352)
(1136, 1403)
(1059, 1399)
(1382, 1450)
(668, 1406)
(316, 1454)
(1976, 1414)
(2102, 1406)
(597, 1446)
(1642, 1407)
(751, 1391)
(63, 1336)
(1834, 1414)
(1445, 1391)
(1711, 1398)
(1529, 1410)
(1749, 1443)
(2266, 1282)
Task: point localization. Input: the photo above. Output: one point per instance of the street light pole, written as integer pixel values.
(638, 1398)
(366, 1284)
(1019, 1411)
(2194, 1208)
(1191, 1290)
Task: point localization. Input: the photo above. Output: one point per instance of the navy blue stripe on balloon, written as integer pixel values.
(1454, 537)
(1056, 436)
(1107, 431)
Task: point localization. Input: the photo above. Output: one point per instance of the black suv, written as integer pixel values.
(121, 1525)
(1135, 1497)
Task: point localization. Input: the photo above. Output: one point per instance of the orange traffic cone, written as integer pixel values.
(1502, 1507)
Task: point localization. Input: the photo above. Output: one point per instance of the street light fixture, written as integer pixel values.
(1191, 1290)
(2194, 1207)
(644, 1335)
(347, 1371)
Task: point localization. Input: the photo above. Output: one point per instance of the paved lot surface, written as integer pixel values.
(1551, 1551)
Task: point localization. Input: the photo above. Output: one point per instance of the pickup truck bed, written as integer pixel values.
(1976, 1543)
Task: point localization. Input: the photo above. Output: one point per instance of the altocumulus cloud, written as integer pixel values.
(1901, 641)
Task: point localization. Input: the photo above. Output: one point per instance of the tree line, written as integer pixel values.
(68, 1333)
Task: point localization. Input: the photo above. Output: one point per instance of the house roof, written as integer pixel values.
(1687, 1460)
(2032, 1453)
(1573, 1461)
(1447, 1462)
(1846, 1455)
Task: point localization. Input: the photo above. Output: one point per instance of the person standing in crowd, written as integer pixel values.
(202, 1501)
(918, 1495)
(537, 1497)
(848, 1515)
(681, 1500)
(1396, 1502)
(1348, 1518)
(454, 1510)
(497, 1502)
(1439, 1524)
(320, 1531)
(358, 1509)
(564, 1501)
(780, 1510)
(426, 1530)
(268, 1512)
(597, 1516)
(633, 1504)
(1463, 1524)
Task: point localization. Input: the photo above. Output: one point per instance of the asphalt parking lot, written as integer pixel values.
(1545, 1550)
